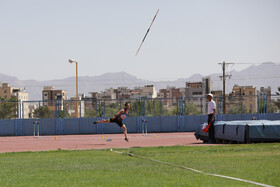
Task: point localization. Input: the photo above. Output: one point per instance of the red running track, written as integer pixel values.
(95, 141)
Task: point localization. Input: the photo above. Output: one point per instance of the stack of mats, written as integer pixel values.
(245, 131)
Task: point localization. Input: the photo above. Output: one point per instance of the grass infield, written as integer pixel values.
(255, 162)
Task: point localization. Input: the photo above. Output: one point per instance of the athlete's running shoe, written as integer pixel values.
(126, 139)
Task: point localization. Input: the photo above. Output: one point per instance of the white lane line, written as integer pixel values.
(191, 169)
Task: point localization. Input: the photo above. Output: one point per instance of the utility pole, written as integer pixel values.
(224, 84)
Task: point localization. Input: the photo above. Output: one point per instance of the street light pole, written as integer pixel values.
(77, 93)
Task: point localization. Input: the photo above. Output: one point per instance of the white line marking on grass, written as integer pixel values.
(191, 169)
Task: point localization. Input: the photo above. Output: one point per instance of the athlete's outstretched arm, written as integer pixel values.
(120, 112)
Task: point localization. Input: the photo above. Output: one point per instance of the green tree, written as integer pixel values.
(172, 112)
(147, 107)
(272, 108)
(112, 109)
(7, 108)
(166, 112)
(236, 109)
(110, 112)
(192, 109)
(90, 114)
(268, 108)
(277, 102)
(63, 114)
(43, 112)
(136, 108)
(153, 108)
(133, 108)
(186, 109)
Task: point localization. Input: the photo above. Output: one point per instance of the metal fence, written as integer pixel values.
(105, 108)
(249, 104)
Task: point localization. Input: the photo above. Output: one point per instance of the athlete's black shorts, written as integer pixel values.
(117, 121)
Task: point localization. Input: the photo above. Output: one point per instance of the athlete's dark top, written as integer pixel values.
(120, 118)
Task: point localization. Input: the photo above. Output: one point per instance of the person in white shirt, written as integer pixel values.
(211, 117)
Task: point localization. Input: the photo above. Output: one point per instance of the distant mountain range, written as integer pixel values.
(266, 74)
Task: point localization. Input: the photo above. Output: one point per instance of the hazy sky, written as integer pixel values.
(38, 37)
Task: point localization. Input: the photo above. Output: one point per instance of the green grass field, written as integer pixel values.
(255, 162)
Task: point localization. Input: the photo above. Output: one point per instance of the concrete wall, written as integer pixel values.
(66, 126)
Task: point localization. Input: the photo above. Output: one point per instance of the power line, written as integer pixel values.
(265, 63)
(249, 77)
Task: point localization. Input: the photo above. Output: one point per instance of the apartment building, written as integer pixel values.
(170, 95)
(148, 91)
(199, 89)
(196, 92)
(70, 106)
(53, 98)
(7, 92)
(108, 94)
(265, 93)
(245, 95)
(217, 93)
(123, 93)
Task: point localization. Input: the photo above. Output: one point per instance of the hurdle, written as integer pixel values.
(144, 127)
(36, 124)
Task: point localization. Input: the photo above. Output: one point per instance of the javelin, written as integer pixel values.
(147, 33)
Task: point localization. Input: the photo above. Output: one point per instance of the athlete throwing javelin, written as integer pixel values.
(118, 119)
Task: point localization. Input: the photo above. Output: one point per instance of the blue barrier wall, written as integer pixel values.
(7, 127)
(67, 126)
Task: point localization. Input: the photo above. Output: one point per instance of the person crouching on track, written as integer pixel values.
(211, 117)
(118, 119)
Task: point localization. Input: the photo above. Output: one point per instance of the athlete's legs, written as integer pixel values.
(115, 121)
(124, 131)
(102, 121)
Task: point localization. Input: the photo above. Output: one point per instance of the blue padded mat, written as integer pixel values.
(248, 130)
